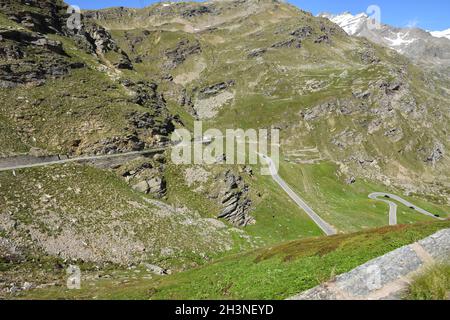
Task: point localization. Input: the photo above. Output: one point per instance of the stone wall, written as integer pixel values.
(385, 277)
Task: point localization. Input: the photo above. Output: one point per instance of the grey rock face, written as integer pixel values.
(323, 39)
(30, 38)
(302, 32)
(318, 111)
(97, 40)
(230, 181)
(181, 52)
(42, 16)
(436, 154)
(194, 12)
(145, 94)
(49, 59)
(256, 52)
(142, 187)
(157, 186)
(290, 43)
(147, 177)
(215, 89)
(113, 145)
(234, 201)
(369, 57)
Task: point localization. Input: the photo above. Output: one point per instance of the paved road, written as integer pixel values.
(381, 196)
(322, 224)
(80, 159)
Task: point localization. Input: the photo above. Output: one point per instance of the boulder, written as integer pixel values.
(351, 180)
(157, 186)
(142, 187)
(155, 269)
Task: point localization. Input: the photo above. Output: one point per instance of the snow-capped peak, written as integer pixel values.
(441, 34)
(347, 21)
(414, 43)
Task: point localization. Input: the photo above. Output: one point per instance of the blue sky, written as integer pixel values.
(426, 14)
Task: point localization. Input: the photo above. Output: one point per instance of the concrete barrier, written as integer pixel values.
(385, 277)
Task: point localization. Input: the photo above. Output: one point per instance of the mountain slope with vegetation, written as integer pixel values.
(362, 106)
(276, 272)
(354, 118)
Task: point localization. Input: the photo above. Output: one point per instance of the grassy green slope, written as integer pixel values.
(276, 272)
(277, 218)
(277, 86)
(433, 284)
(347, 206)
(87, 214)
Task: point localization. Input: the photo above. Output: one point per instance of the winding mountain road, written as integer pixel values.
(393, 206)
(322, 224)
(46, 162)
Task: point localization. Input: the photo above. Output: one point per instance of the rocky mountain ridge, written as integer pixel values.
(354, 117)
(415, 43)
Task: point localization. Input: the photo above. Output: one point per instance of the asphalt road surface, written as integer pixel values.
(386, 197)
(79, 159)
(322, 224)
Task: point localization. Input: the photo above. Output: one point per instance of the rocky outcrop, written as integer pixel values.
(185, 100)
(215, 89)
(436, 155)
(31, 58)
(324, 38)
(145, 129)
(369, 56)
(194, 12)
(226, 188)
(155, 186)
(184, 49)
(318, 111)
(290, 43)
(97, 40)
(146, 94)
(145, 176)
(257, 52)
(157, 121)
(302, 32)
(113, 145)
(31, 39)
(44, 16)
(234, 200)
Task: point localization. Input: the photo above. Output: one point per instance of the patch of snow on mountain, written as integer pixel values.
(441, 34)
(400, 40)
(350, 23)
